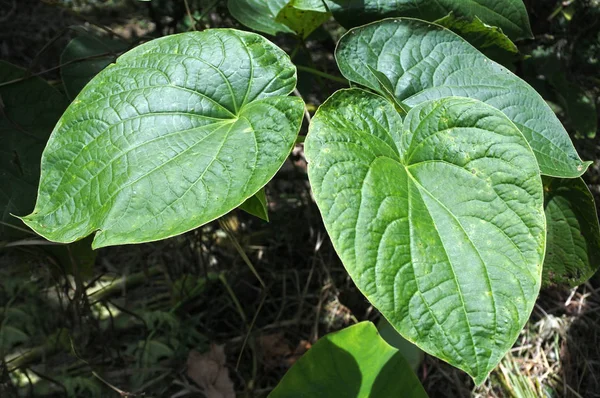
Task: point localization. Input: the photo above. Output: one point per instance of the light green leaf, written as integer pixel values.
(178, 132)
(259, 15)
(424, 61)
(303, 16)
(257, 205)
(508, 15)
(488, 39)
(29, 109)
(84, 57)
(354, 362)
(438, 220)
(573, 248)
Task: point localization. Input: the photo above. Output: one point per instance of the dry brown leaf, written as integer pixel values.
(208, 371)
(275, 348)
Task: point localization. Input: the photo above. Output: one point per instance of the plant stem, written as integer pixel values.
(322, 74)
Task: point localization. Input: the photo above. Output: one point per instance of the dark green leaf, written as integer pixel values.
(259, 15)
(84, 57)
(178, 132)
(439, 220)
(508, 15)
(354, 362)
(573, 248)
(29, 109)
(425, 61)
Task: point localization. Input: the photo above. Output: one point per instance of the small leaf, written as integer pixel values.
(180, 131)
(508, 15)
(257, 205)
(354, 362)
(446, 65)
(84, 57)
(439, 220)
(573, 248)
(259, 15)
(28, 111)
(303, 16)
(209, 372)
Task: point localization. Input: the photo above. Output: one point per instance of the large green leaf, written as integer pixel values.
(424, 61)
(573, 248)
(84, 57)
(178, 132)
(354, 362)
(29, 109)
(438, 220)
(259, 15)
(508, 15)
(257, 205)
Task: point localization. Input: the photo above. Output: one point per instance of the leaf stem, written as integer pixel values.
(322, 74)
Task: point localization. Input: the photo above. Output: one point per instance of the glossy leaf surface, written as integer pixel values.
(508, 15)
(178, 132)
(354, 362)
(84, 57)
(573, 248)
(23, 139)
(439, 219)
(424, 61)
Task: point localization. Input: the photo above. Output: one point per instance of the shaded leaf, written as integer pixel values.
(439, 219)
(257, 205)
(446, 65)
(23, 140)
(508, 15)
(413, 354)
(488, 39)
(259, 15)
(573, 248)
(84, 57)
(354, 362)
(180, 131)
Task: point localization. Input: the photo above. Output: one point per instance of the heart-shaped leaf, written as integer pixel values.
(178, 132)
(508, 15)
(438, 220)
(573, 248)
(29, 109)
(354, 362)
(424, 61)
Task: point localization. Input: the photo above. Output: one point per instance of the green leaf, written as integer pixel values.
(413, 354)
(84, 57)
(257, 205)
(303, 16)
(488, 39)
(573, 248)
(424, 61)
(354, 362)
(439, 220)
(508, 15)
(178, 132)
(28, 111)
(259, 15)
